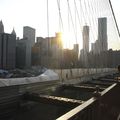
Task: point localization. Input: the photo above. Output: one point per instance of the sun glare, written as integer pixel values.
(68, 40)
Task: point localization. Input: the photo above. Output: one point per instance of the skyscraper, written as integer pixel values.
(76, 48)
(102, 34)
(25, 45)
(7, 50)
(86, 38)
(13, 32)
(84, 52)
(23, 54)
(1, 27)
(95, 47)
(29, 34)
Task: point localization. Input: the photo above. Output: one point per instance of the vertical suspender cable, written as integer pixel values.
(48, 33)
(47, 18)
(68, 24)
(114, 17)
(72, 20)
(60, 17)
(80, 21)
(61, 29)
(75, 21)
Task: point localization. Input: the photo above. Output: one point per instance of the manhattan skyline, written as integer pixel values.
(33, 13)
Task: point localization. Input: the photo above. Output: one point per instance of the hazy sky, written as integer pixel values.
(19, 13)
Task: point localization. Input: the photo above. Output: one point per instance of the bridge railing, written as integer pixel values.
(105, 106)
(66, 74)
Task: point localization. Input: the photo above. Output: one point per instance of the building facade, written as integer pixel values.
(102, 34)
(1, 27)
(24, 48)
(84, 52)
(29, 34)
(101, 45)
(23, 53)
(48, 51)
(86, 38)
(7, 51)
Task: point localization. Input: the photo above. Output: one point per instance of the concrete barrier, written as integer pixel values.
(67, 74)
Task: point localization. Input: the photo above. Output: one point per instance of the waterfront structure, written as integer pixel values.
(29, 34)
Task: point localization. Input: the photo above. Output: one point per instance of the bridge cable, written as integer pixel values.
(72, 20)
(60, 16)
(114, 17)
(48, 32)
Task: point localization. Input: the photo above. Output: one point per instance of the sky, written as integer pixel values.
(18, 13)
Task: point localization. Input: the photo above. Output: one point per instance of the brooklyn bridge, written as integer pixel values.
(72, 73)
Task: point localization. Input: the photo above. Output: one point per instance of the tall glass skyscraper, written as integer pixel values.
(86, 38)
(102, 34)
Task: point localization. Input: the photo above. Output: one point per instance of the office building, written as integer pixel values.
(29, 34)
(24, 48)
(95, 47)
(84, 52)
(76, 48)
(7, 51)
(102, 34)
(86, 38)
(13, 32)
(1, 27)
(23, 53)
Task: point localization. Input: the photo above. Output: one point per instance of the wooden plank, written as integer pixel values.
(81, 87)
(53, 100)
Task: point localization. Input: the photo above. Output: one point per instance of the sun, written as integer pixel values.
(67, 40)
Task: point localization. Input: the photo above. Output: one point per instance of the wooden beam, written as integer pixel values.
(53, 100)
(100, 83)
(109, 80)
(81, 87)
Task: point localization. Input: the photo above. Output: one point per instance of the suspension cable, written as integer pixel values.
(114, 17)
(75, 21)
(60, 16)
(48, 33)
(47, 19)
(72, 20)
